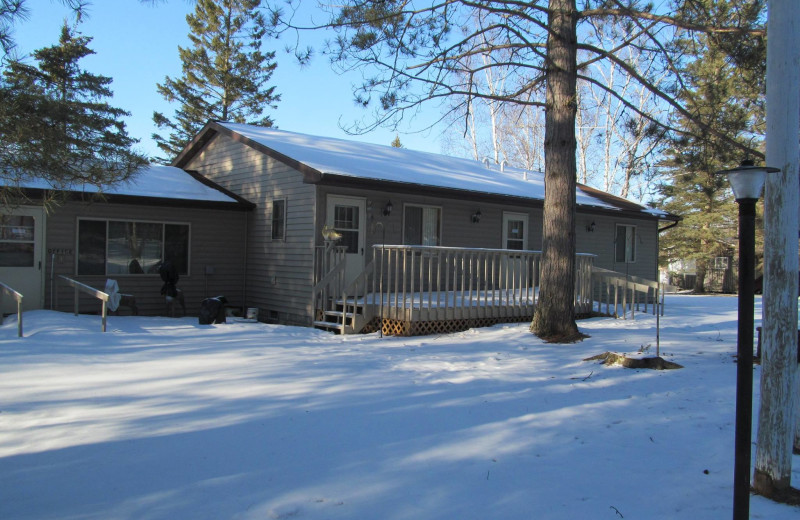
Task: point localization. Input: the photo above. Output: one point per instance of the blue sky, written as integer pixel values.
(137, 45)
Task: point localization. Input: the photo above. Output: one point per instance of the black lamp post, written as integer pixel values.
(747, 182)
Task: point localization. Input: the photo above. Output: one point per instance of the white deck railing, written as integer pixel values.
(613, 290)
(426, 283)
(444, 283)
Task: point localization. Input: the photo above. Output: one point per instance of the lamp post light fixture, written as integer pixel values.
(747, 182)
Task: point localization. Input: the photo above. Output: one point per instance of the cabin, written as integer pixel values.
(123, 234)
(356, 237)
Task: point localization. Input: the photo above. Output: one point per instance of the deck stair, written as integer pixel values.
(336, 319)
(338, 306)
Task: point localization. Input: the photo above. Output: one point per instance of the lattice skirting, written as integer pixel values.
(422, 328)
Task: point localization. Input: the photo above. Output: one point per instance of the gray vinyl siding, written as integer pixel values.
(601, 242)
(458, 230)
(279, 272)
(216, 241)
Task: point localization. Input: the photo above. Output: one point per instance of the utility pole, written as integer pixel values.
(776, 422)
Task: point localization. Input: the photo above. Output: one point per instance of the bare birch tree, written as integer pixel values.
(616, 146)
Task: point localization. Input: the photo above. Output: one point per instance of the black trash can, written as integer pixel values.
(212, 310)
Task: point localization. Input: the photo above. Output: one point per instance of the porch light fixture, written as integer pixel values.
(590, 227)
(476, 217)
(387, 210)
(747, 182)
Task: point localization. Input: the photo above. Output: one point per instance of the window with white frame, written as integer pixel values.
(116, 247)
(17, 241)
(515, 231)
(422, 225)
(625, 244)
(279, 219)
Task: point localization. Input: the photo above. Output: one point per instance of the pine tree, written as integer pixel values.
(727, 98)
(225, 73)
(396, 142)
(708, 228)
(56, 123)
(692, 190)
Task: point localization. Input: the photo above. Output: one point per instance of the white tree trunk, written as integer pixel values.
(776, 424)
(473, 132)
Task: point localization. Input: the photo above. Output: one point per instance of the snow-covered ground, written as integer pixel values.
(166, 419)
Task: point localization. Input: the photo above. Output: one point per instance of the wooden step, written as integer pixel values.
(338, 315)
(329, 326)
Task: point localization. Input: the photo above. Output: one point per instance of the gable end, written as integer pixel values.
(212, 128)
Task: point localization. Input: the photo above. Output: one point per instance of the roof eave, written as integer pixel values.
(140, 200)
(331, 179)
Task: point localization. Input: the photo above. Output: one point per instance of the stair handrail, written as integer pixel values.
(18, 297)
(363, 280)
(630, 283)
(83, 288)
(327, 258)
(329, 284)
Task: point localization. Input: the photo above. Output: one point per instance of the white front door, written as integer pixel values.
(21, 246)
(347, 215)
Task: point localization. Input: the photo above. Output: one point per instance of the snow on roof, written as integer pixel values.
(151, 181)
(378, 162)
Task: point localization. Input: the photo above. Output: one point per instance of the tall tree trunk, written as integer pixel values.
(773, 467)
(700, 276)
(797, 415)
(555, 315)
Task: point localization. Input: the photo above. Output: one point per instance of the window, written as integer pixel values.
(515, 235)
(279, 219)
(421, 225)
(16, 241)
(346, 223)
(625, 244)
(114, 247)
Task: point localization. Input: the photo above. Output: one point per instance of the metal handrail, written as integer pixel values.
(621, 284)
(17, 296)
(82, 287)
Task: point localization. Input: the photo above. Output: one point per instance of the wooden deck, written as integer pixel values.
(410, 290)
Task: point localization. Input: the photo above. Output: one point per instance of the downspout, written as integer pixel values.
(244, 262)
(668, 227)
(658, 245)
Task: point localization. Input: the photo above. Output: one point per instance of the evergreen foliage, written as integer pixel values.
(225, 73)
(726, 95)
(396, 142)
(55, 122)
(12, 11)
